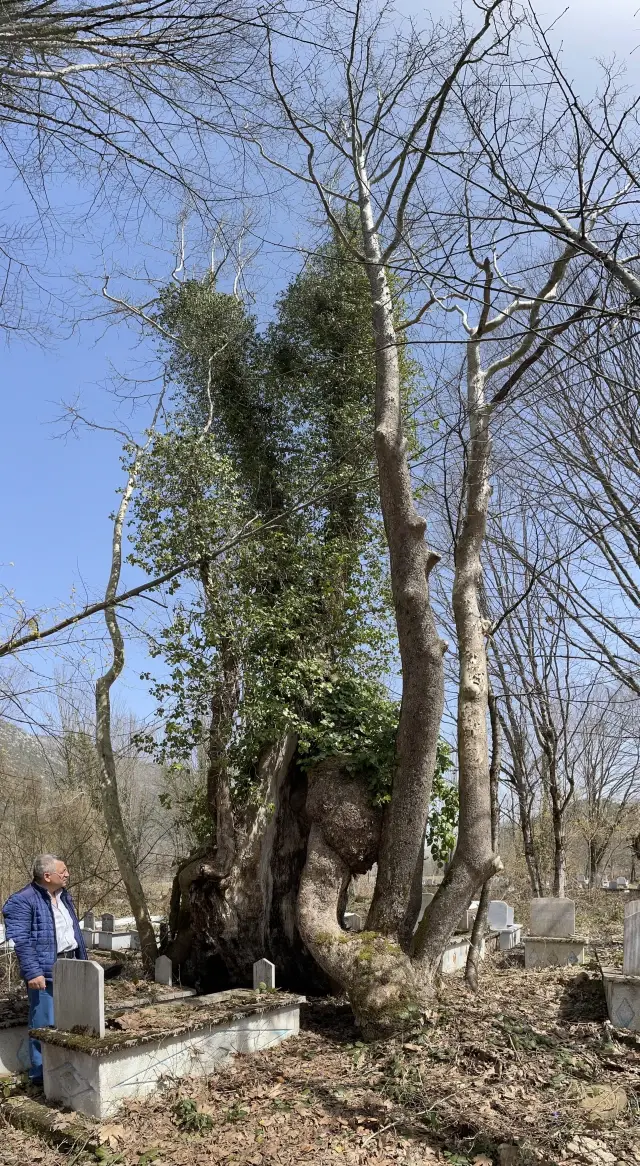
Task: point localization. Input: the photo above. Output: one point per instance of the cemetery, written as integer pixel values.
(319, 670)
(121, 1069)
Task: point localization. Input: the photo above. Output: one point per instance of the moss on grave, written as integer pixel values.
(161, 1022)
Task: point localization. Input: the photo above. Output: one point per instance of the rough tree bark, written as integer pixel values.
(411, 562)
(236, 902)
(385, 988)
(474, 860)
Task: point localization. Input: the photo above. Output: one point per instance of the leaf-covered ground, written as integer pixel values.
(526, 1071)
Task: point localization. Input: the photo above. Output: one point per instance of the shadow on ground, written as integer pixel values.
(583, 999)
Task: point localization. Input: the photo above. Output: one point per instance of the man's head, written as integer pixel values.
(50, 872)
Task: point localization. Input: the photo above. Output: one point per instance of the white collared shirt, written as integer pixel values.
(65, 935)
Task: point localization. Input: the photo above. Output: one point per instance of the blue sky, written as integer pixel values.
(58, 493)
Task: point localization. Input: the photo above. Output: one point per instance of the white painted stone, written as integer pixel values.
(553, 951)
(500, 915)
(510, 936)
(14, 1048)
(631, 958)
(553, 917)
(352, 921)
(264, 972)
(108, 921)
(623, 998)
(163, 973)
(78, 996)
(97, 1085)
(118, 941)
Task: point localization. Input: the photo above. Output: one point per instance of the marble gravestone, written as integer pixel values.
(78, 996)
(163, 972)
(264, 972)
(553, 917)
(553, 942)
(500, 919)
(500, 915)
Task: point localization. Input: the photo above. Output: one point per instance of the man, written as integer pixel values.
(42, 922)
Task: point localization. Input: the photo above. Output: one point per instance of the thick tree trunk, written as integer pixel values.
(421, 649)
(385, 989)
(474, 860)
(231, 916)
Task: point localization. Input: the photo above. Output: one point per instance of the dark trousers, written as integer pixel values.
(40, 1016)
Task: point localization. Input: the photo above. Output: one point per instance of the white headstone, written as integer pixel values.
(352, 921)
(78, 996)
(264, 972)
(622, 883)
(553, 917)
(631, 958)
(500, 915)
(108, 921)
(163, 970)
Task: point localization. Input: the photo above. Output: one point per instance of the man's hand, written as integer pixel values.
(38, 982)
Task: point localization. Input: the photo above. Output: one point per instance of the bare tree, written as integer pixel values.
(107, 771)
(607, 772)
(127, 96)
(366, 145)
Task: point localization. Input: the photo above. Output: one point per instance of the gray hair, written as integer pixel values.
(44, 864)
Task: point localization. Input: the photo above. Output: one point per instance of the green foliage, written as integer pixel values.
(443, 814)
(292, 630)
(189, 1118)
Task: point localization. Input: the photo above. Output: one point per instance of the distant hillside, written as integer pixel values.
(38, 755)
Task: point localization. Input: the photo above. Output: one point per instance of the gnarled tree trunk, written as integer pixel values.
(233, 913)
(384, 987)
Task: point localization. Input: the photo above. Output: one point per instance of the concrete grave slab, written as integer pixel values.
(118, 940)
(553, 917)
(623, 998)
(264, 972)
(352, 921)
(631, 957)
(510, 936)
(14, 1047)
(78, 996)
(95, 1077)
(553, 951)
